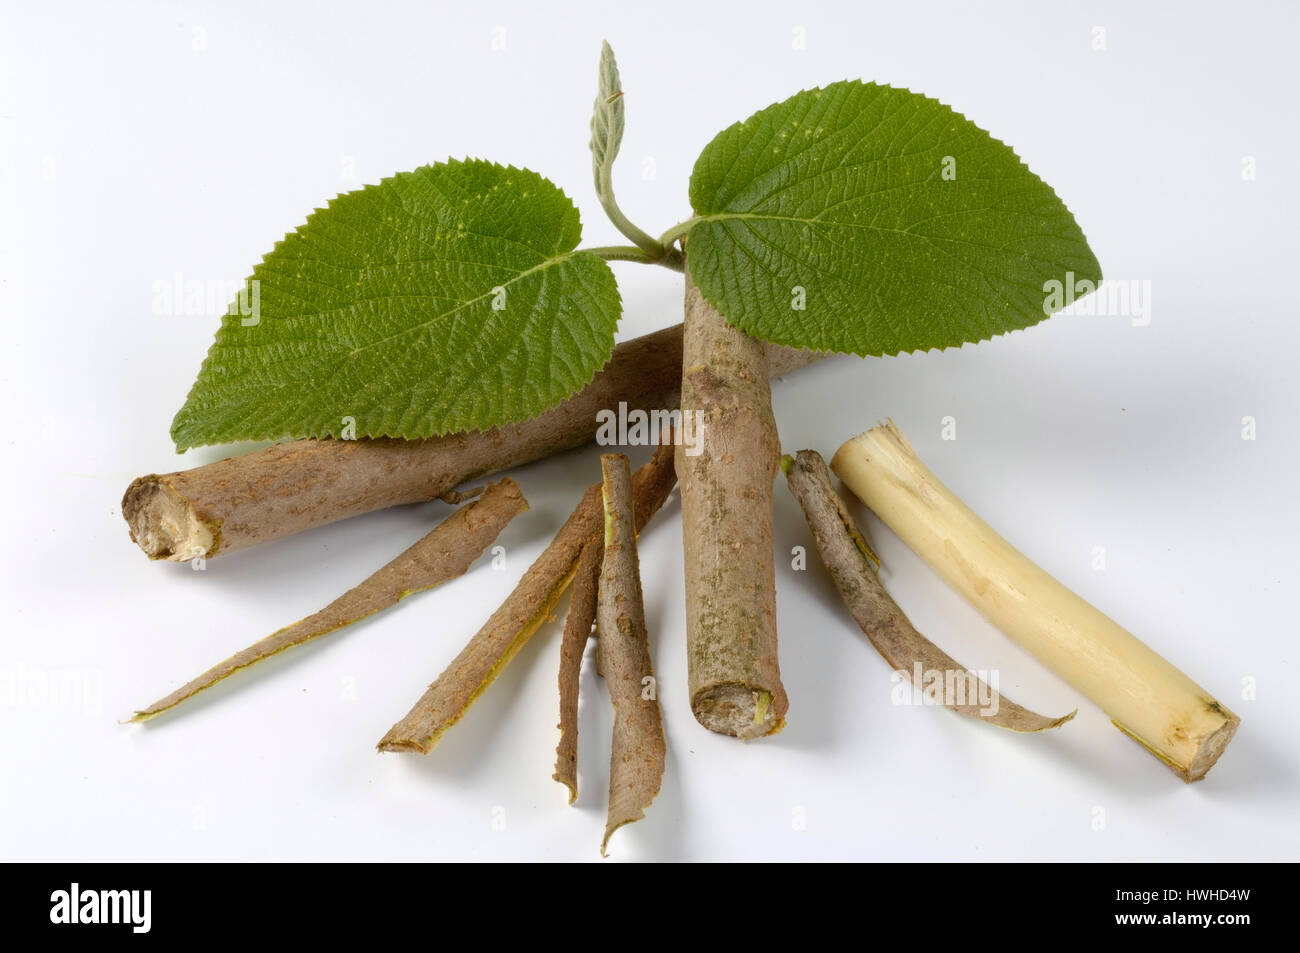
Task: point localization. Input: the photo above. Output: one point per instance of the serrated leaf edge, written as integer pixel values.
(790, 342)
(573, 253)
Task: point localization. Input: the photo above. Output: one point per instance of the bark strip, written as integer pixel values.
(289, 487)
(1145, 696)
(852, 566)
(734, 676)
(577, 630)
(637, 752)
(524, 610)
(444, 553)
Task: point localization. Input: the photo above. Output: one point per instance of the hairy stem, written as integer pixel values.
(670, 259)
(607, 118)
(678, 231)
(654, 251)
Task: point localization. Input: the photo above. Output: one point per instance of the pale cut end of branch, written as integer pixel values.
(852, 566)
(1209, 749)
(1144, 695)
(637, 750)
(442, 554)
(737, 709)
(163, 522)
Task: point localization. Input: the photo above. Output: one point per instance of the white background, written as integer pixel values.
(150, 139)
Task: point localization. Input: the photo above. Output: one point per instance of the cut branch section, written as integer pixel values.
(852, 566)
(289, 487)
(444, 553)
(734, 677)
(525, 609)
(1146, 697)
(637, 753)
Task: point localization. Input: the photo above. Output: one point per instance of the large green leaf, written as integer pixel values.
(896, 223)
(448, 298)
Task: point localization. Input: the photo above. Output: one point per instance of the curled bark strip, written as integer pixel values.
(289, 487)
(735, 679)
(637, 753)
(852, 565)
(1145, 696)
(444, 553)
(524, 610)
(490, 651)
(577, 630)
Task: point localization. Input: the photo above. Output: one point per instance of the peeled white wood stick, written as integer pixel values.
(1143, 695)
(853, 566)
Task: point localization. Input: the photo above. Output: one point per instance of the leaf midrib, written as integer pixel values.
(760, 216)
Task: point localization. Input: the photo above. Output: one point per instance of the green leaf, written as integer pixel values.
(607, 117)
(448, 298)
(896, 223)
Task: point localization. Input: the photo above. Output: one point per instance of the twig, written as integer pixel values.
(444, 553)
(852, 566)
(734, 677)
(289, 487)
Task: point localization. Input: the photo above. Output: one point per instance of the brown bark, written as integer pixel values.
(444, 553)
(735, 679)
(852, 566)
(289, 487)
(577, 630)
(637, 751)
(524, 610)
